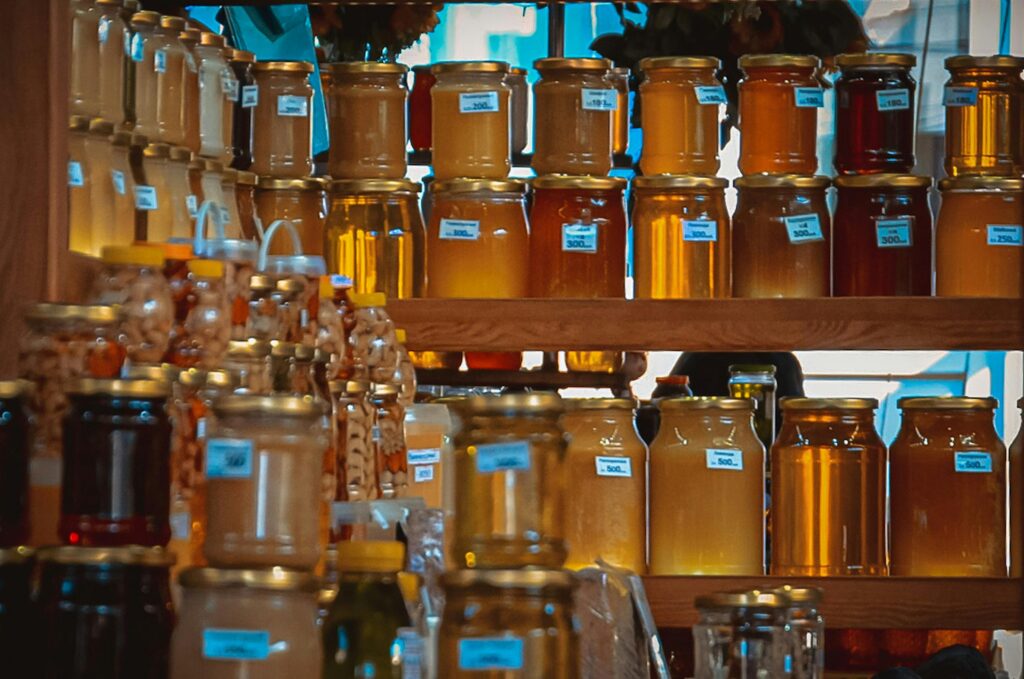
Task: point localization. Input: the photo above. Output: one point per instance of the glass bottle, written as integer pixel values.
(282, 142)
(619, 78)
(470, 120)
(191, 99)
(519, 107)
(80, 217)
(303, 202)
(83, 83)
(111, 60)
(241, 63)
(757, 382)
(419, 108)
(216, 107)
(15, 449)
(389, 442)
(169, 64)
(742, 635)
(264, 320)
(248, 363)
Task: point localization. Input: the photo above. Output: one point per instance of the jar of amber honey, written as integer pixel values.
(681, 103)
(984, 100)
(779, 100)
(781, 234)
(619, 78)
(167, 172)
(301, 201)
(707, 489)
(470, 119)
(828, 448)
(979, 238)
(947, 448)
(282, 142)
(681, 238)
(606, 460)
(882, 231)
(419, 108)
(574, 103)
(874, 113)
(366, 115)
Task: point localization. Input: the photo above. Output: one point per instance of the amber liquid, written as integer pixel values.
(472, 144)
(986, 138)
(367, 123)
(567, 138)
(680, 133)
(306, 209)
(965, 264)
(777, 136)
(282, 145)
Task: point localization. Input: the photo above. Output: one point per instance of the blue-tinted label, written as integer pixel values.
(700, 230)
(478, 102)
(424, 455)
(973, 462)
(117, 178)
(75, 175)
(138, 47)
(423, 473)
(250, 96)
(803, 228)
(160, 61)
(1005, 234)
(710, 94)
(599, 100)
(236, 644)
(192, 204)
(491, 653)
(500, 457)
(340, 281)
(894, 233)
(809, 97)
(614, 466)
(960, 96)
(145, 197)
(459, 229)
(724, 458)
(409, 647)
(228, 459)
(579, 238)
(291, 105)
(893, 100)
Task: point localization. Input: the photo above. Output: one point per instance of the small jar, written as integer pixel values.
(512, 623)
(707, 489)
(17, 580)
(217, 86)
(781, 237)
(245, 197)
(519, 106)
(419, 108)
(100, 186)
(104, 612)
(297, 277)
(248, 363)
(373, 230)
(682, 238)
(142, 51)
(263, 462)
(574, 105)
(239, 257)
(874, 113)
(470, 129)
(808, 628)
(122, 227)
(389, 442)
(264, 321)
(984, 100)
(169, 64)
(111, 61)
(757, 382)
(606, 510)
(282, 141)
(166, 170)
(191, 100)
(241, 63)
(356, 468)
(83, 81)
(301, 201)
(116, 479)
(743, 634)
(619, 78)
(780, 95)
(510, 484)
(882, 230)
(246, 624)
(947, 448)
(828, 446)
(80, 217)
(366, 106)
(229, 191)
(979, 238)
(15, 450)
(681, 100)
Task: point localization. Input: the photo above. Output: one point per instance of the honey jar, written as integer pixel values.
(470, 120)
(282, 141)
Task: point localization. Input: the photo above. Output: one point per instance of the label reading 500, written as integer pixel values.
(228, 459)
(459, 229)
(614, 466)
(501, 457)
(724, 458)
(803, 228)
(975, 462)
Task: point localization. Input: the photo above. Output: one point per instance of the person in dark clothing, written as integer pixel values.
(709, 372)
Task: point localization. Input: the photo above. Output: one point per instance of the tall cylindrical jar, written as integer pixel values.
(83, 85)
(248, 95)
(80, 218)
(301, 201)
(216, 109)
(142, 52)
(282, 140)
(169, 64)
(111, 63)
(470, 120)
(191, 100)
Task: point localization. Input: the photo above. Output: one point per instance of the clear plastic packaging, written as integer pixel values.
(374, 344)
(405, 375)
(298, 275)
(208, 324)
(334, 323)
(354, 418)
(389, 442)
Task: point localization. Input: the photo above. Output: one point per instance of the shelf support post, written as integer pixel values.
(556, 29)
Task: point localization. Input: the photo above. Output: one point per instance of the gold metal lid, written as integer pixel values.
(190, 36)
(981, 184)
(470, 67)
(581, 182)
(994, 61)
(250, 348)
(352, 186)
(522, 578)
(245, 404)
(751, 599)
(283, 67)
(668, 182)
(192, 377)
(14, 388)
(575, 64)
(385, 390)
(464, 185)
(128, 388)
(782, 181)
(575, 404)
(162, 372)
(173, 23)
(304, 353)
(292, 285)
(261, 281)
(304, 184)
(241, 56)
(779, 61)
(706, 403)
(230, 176)
(246, 178)
(11, 556)
(110, 3)
(947, 403)
(99, 126)
(875, 59)
(531, 403)
(282, 349)
(516, 70)
(800, 403)
(884, 180)
(755, 368)
(158, 151)
(273, 579)
(365, 67)
(146, 18)
(78, 124)
(811, 596)
(208, 39)
(654, 63)
(181, 154)
(57, 311)
(356, 387)
(221, 379)
(97, 556)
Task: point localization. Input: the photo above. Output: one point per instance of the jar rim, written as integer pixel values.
(230, 249)
(779, 60)
(210, 39)
(875, 59)
(127, 388)
(947, 403)
(981, 183)
(377, 67)
(312, 266)
(667, 182)
(358, 186)
(800, 595)
(60, 311)
(583, 182)
(706, 403)
(883, 180)
(468, 185)
(173, 23)
(130, 556)
(755, 368)
(10, 556)
(293, 66)
(246, 178)
(752, 599)
(531, 403)
(146, 18)
(99, 126)
(469, 67)
(804, 403)
(521, 578)
(271, 579)
(10, 389)
(574, 64)
(994, 61)
(578, 404)
(303, 184)
(654, 63)
(157, 150)
(249, 404)
(241, 57)
(782, 181)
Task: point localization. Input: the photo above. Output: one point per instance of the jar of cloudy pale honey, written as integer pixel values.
(470, 119)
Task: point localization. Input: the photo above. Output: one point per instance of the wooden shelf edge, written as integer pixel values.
(537, 379)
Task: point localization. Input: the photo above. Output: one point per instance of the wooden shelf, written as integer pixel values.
(874, 603)
(711, 325)
(620, 161)
(534, 379)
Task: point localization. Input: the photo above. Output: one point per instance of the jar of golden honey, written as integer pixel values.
(619, 78)
(301, 201)
(984, 100)
(1015, 480)
(100, 183)
(510, 481)
(167, 172)
(574, 103)
(979, 238)
(707, 489)
(606, 460)
(83, 83)
(144, 27)
(111, 61)
(947, 448)
(191, 100)
(122, 228)
(681, 238)
(828, 489)
(282, 142)
(169, 64)
(470, 119)
(681, 101)
(366, 114)
(780, 95)
(80, 219)
(216, 108)
(372, 233)
(781, 234)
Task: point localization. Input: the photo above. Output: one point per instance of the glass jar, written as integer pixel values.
(419, 108)
(508, 623)
(301, 201)
(574, 103)
(808, 630)
(780, 95)
(874, 113)
(297, 280)
(682, 238)
(619, 78)
(192, 393)
(882, 236)
(509, 481)
(389, 442)
(122, 227)
(212, 181)
(216, 107)
(83, 83)
(169, 64)
(366, 114)
(426, 427)
(15, 449)
(239, 257)
(707, 489)
(356, 463)
(781, 236)
(681, 101)
(100, 187)
(17, 639)
(519, 107)
(104, 612)
(116, 479)
(979, 238)
(80, 217)
(229, 190)
(110, 64)
(335, 321)
(282, 140)
(144, 26)
(371, 235)
(265, 319)
(828, 448)
(984, 100)
(470, 129)
(947, 448)
(743, 635)
(246, 624)
(372, 339)
(190, 37)
(248, 363)
(207, 327)
(1015, 480)
(245, 197)
(166, 170)
(241, 63)
(606, 510)
(757, 382)
(263, 462)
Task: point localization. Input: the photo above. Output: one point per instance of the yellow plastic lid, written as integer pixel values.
(371, 556)
(140, 255)
(400, 335)
(179, 251)
(330, 284)
(206, 268)
(368, 299)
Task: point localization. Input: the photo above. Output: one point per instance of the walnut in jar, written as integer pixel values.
(372, 338)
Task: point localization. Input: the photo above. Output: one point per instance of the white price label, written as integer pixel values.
(960, 96)
(145, 198)
(621, 467)
(894, 233)
(423, 456)
(491, 653)
(231, 89)
(291, 105)
(972, 462)
(809, 97)
(250, 96)
(579, 238)
(201, 428)
(724, 458)
(138, 47)
(803, 229)
(1005, 234)
(181, 525)
(117, 178)
(500, 457)
(75, 175)
(478, 102)
(599, 100)
(192, 204)
(710, 94)
(104, 30)
(160, 61)
(459, 229)
(423, 473)
(893, 100)
(236, 644)
(229, 459)
(700, 230)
